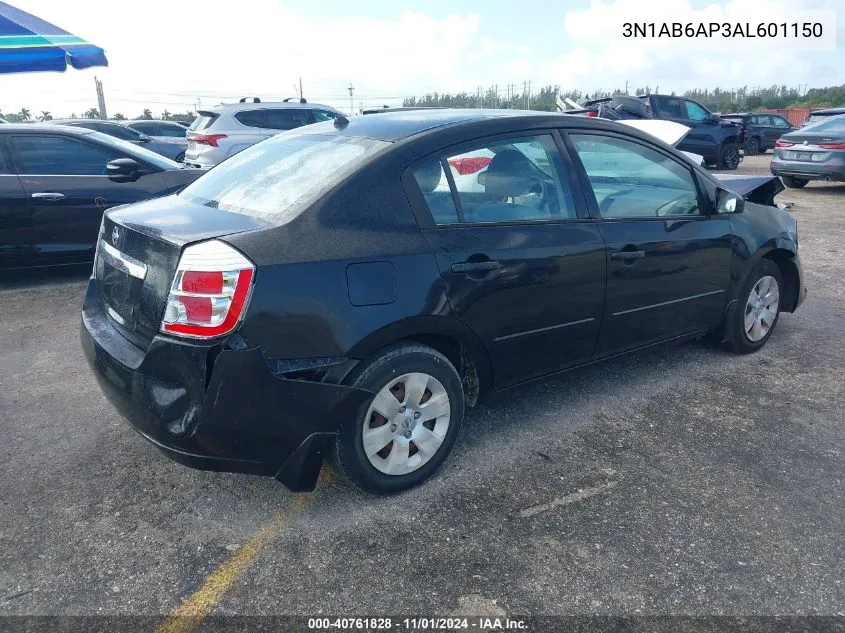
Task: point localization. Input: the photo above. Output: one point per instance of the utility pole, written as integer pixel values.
(101, 99)
(529, 94)
(351, 89)
(301, 97)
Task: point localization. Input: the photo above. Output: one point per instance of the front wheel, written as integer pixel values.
(752, 146)
(411, 424)
(753, 317)
(794, 183)
(729, 156)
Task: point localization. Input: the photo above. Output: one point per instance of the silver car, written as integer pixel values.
(814, 152)
(173, 148)
(220, 132)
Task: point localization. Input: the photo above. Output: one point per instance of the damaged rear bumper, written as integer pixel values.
(214, 408)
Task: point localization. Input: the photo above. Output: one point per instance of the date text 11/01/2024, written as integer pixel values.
(417, 624)
(770, 30)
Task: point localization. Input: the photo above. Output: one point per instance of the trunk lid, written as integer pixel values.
(138, 251)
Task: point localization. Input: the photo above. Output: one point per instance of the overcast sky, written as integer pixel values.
(170, 54)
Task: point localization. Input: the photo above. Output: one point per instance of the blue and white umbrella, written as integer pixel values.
(30, 44)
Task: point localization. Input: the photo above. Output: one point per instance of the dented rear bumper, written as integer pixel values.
(214, 408)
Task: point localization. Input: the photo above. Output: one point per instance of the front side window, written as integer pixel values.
(119, 131)
(324, 115)
(59, 155)
(144, 128)
(695, 112)
(781, 122)
(511, 180)
(273, 178)
(630, 180)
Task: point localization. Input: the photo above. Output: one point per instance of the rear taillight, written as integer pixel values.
(591, 113)
(469, 165)
(210, 291)
(207, 139)
(832, 145)
(780, 143)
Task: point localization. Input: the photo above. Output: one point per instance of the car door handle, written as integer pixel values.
(474, 267)
(627, 255)
(49, 196)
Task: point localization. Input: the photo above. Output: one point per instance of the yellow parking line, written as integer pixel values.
(195, 608)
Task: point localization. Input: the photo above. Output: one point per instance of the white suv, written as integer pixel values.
(222, 131)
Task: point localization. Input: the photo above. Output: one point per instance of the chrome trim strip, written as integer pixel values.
(542, 329)
(666, 303)
(121, 261)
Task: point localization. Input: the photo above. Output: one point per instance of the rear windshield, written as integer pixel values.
(270, 178)
(203, 120)
(829, 124)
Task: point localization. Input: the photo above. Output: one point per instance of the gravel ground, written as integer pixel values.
(683, 481)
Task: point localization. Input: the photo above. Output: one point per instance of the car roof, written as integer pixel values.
(730, 114)
(148, 121)
(263, 105)
(46, 129)
(80, 121)
(397, 125)
(829, 111)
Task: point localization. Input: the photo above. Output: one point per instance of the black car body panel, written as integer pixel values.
(759, 189)
(363, 265)
(53, 218)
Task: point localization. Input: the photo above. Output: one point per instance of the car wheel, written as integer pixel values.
(754, 315)
(180, 158)
(752, 146)
(729, 156)
(410, 425)
(794, 183)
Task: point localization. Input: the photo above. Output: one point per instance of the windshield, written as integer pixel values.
(268, 179)
(829, 124)
(141, 152)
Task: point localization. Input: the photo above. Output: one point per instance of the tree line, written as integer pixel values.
(717, 100)
(25, 115)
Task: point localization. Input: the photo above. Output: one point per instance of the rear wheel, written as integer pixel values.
(729, 156)
(752, 146)
(180, 158)
(754, 315)
(411, 424)
(794, 183)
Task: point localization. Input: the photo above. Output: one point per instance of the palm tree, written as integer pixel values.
(165, 115)
(147, 114)
(45, 116)
(118, 117)
(92, 113)
(24, 114)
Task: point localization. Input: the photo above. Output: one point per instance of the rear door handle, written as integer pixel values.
(474, 267)
(627, 255)
(49, 196)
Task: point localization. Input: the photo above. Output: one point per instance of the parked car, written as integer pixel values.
(160, 130)
(814, 152)
(55, 183)
(760, 129)
(819, 115)
(710, 136)
(172, 148)
(318, 292)
(218, 133)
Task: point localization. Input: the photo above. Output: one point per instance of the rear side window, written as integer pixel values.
(671, 108)
(519, 179)
(273, 178)
(630, 180)
(251, 118)
(117, 131)
(146, 128)
(57, 155)
(204, 120)
(287, 119)
(5, 166)
(171, 129)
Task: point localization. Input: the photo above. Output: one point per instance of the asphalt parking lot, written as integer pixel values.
(687, 480)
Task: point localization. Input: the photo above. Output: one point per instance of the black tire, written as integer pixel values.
(729, 156)
(752, 146)
(376, 373)
(794, 183)
(180, 158)
(737, 338)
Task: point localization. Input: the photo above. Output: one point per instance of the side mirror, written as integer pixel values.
(715, 118)
(728, 202)
(124, 170)
(144, 138)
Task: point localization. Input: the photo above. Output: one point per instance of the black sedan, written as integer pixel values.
(55, 183)
(353, 286)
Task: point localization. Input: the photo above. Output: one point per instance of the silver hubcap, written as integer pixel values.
(406, 423)
(761, 309)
